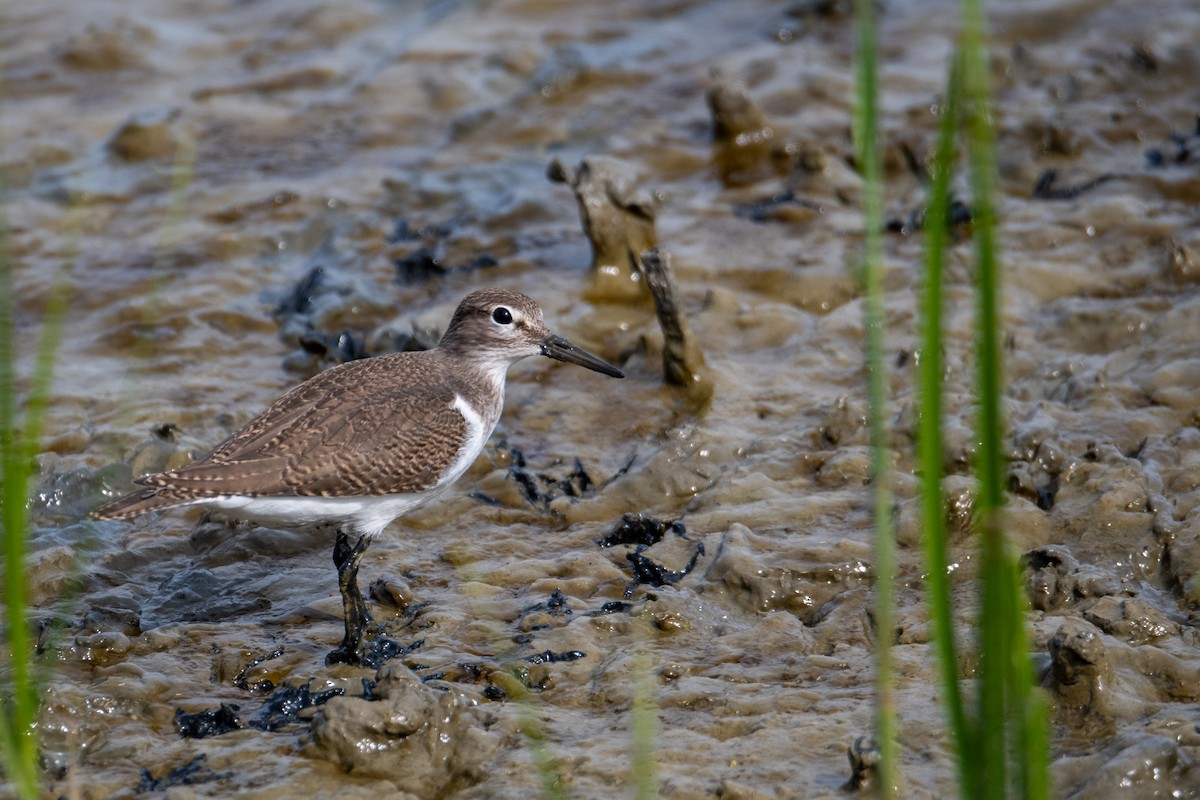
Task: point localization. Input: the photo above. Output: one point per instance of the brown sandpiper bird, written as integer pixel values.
(358, 445)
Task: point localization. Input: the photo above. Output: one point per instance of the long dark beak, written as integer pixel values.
(560, 349)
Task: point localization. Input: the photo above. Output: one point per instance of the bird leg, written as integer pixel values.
(347, 558)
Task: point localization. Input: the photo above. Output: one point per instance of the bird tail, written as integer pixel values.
(151, 498)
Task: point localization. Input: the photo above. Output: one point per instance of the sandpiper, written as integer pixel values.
(363, 442)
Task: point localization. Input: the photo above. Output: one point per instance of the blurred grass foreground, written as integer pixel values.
(1001, 745)
(22, 673)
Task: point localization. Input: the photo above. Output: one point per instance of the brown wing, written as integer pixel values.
(354, 429)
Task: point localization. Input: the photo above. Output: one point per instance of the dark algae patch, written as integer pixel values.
(281, 708)
(539, 489)
(193, 773)
(210, 722)
(646, 571)
(284, 705)
(638, 529)
(643, 533)
(550, 657)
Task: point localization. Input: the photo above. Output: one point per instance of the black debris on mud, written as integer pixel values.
(210, 722)
(192, 773)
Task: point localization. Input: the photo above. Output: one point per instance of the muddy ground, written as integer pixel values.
(349, 171)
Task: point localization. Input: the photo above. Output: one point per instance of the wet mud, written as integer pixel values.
(354, 169)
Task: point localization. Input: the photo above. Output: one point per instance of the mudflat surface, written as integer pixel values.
(351, 170)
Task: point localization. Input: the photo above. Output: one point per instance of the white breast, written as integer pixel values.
(479, 429)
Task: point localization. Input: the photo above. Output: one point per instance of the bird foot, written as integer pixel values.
(346, 558)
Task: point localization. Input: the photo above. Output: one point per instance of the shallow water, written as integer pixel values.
(349, 138)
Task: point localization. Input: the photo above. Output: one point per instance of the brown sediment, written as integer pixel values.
(618, 219)
(864, 764)
(105, 48)
(746, 146)
(308, 77)
(427, 742)
(145, 136)
(1101, 683)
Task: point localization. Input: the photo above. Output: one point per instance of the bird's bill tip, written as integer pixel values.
(560, 349)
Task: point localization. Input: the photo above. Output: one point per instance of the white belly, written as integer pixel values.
(365, 514)
(361, 515)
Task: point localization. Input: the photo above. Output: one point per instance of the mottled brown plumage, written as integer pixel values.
(379, 426)
(361, 443)
(370, 428)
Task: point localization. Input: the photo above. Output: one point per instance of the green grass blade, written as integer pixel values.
(990, 464)
(53, 321)
(43, 371)
(18, 706)
(534, 730)
(27, 682)
(867, 153)
(1011, 721)
(645, 730)
(20, 695)
(1035, 745)
(930, 439)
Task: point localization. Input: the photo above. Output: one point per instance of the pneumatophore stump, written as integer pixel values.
(618, 218)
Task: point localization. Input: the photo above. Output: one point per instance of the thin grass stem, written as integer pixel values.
(18, 713)
(1011, 720)
(645, 728)
(534, 729)
(997, 606)
(18, 705)
(867, 152)
(930, 439)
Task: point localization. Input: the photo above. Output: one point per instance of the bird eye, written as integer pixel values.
(502, 315)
